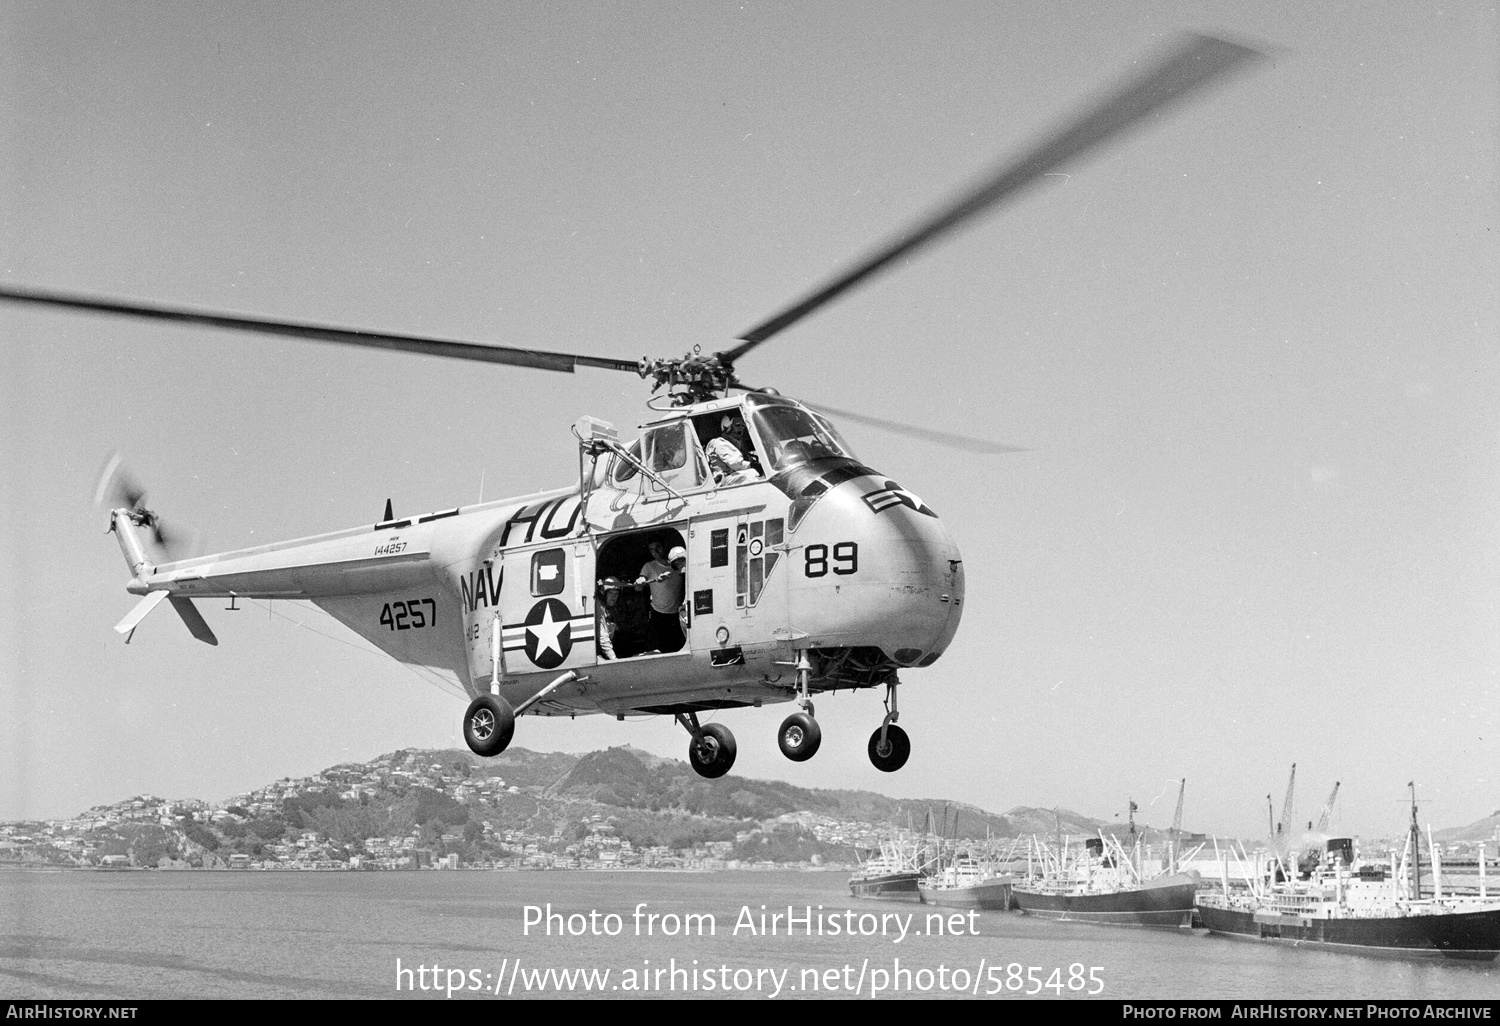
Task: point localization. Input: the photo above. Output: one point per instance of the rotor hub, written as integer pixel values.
(693, 378)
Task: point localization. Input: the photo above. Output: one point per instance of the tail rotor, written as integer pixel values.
(119, 492)
(136, 527)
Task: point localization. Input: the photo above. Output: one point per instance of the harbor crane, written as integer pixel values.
(1284, 825)
(1327, 809)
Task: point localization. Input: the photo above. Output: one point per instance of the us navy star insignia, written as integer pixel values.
(894, 495)
(548, 634)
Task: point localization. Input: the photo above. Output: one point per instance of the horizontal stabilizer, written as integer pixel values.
(193, 619)
(136, 615)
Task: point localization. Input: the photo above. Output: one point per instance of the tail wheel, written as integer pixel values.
(489, 724)
(713, 753)
(799, 737)
(891, 754)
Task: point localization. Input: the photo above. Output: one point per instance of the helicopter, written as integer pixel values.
(736, 553)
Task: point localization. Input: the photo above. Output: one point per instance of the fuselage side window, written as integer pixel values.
(548, 572)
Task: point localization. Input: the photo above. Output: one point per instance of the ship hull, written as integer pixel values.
(1167, 902)
(902, 886)
(1463, 935)
(995, 895)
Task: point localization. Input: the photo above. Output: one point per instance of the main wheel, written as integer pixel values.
(799, 737)
(892, 755)
(489, 724)
(714, 754)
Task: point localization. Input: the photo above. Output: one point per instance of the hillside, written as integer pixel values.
(1480, 830)
(620, 806)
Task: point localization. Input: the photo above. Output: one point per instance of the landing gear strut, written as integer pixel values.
(800, 735)
(889, 745)
(712, 749)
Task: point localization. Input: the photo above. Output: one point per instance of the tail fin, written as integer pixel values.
(194, 620)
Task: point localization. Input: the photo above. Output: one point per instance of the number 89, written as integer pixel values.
(845, 559)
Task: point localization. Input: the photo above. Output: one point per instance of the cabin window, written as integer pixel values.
(547, 572)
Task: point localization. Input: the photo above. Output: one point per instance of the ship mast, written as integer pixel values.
(1177, 826)
(1416, 846)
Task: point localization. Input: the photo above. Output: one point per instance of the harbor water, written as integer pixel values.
(513, 935)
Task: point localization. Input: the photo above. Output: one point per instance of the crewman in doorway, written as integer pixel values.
(664, 575)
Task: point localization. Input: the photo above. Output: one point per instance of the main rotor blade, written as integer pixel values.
(1194, 64)
(539, 359)
(963, 442)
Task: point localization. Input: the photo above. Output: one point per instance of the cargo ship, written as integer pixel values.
(1335, 900)
(966, 882)
(1102, 884)
(892, 873)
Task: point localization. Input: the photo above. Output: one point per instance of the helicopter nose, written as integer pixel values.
(880, 570)
(926, 588)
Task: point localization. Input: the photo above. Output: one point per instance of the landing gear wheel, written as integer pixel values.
(714, 753)
(892, 755)
(799, 737)
(489, 725)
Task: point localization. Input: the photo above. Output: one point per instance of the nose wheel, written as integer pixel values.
(889, 745)
(489, 724)
(889, 748)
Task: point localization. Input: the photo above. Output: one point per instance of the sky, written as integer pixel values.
(1251, 353)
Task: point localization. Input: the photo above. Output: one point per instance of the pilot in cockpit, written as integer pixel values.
(731, 457)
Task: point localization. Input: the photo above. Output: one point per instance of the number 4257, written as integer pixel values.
(408, 615)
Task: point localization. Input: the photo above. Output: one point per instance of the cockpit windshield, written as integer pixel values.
(792, 435)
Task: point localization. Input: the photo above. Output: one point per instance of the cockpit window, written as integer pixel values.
(793, 436)
(666, 449)
(671, 451)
